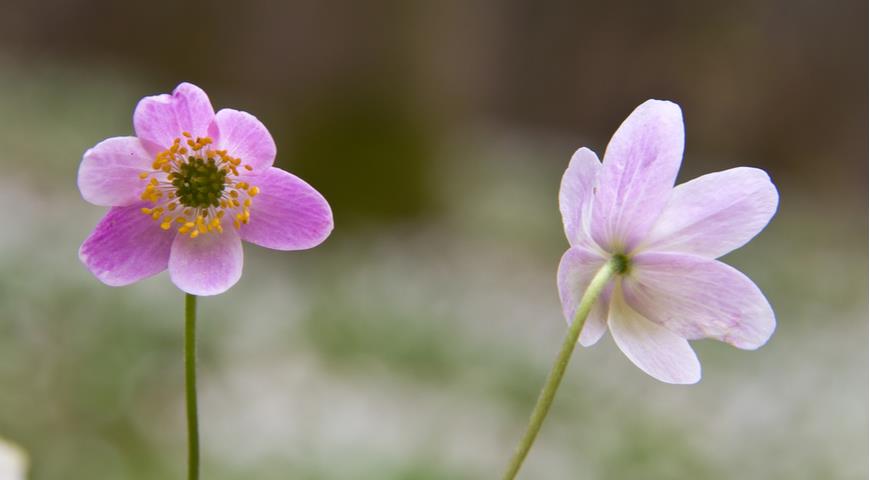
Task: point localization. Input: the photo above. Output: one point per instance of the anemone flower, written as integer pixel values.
(642, 261)
(669, 287)
(186, 190)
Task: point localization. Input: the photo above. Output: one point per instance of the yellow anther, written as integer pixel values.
(236, 203)
(154, 182)
(146, 211)
(144, 175)
(186, 134)
(248, 168)
(243, 185)
(181, 220)
(165, 225)
(189, 225)
(188, 211)
(202, 228)
(234, 194)
(184, 229)
(182, 150)
(253, 191)
(156, 215)
(237, 224)
(172, 206)
(247, 202)
(194, 234)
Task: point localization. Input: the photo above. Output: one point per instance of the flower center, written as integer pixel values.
(199, 183)
(194, 187)
(622, 263)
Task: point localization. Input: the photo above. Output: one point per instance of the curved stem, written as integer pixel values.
(190, 386)
(542, 407)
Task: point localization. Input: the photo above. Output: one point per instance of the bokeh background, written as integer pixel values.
(412, 344)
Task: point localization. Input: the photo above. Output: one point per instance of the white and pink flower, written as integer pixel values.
(669, 288)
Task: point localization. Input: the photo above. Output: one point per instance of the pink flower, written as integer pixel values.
(186, 190)
(670, 288)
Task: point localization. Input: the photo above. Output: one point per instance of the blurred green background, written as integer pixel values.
(412, 344)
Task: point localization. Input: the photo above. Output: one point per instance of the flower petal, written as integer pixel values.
(206, 265)
(576, 269)
(656, 350)
(575, 195)
(697, 297)
(109, 172)
(243, 136)
(715, 214)
(640, 166)
(288, 214)
(126, 246)
(160, 119)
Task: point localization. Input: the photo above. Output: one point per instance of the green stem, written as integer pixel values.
(190, 386)
(542, 407)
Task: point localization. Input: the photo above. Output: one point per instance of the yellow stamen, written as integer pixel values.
(171, 165)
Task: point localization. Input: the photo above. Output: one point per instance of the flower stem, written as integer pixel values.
(190, 386)
(542, 407)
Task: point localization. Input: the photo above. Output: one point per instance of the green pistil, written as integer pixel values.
(199, 183)
(621, 264)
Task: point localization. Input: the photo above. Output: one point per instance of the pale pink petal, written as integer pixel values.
(638, 173)
(288, 214)
(243, 136)
(208, 264)
(715, 214)
(575, 196)
(576, 269)
(109, 172)
(656, 350)
(697, 297)
(126, 246)
(160, 119)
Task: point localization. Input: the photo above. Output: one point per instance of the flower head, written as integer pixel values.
(669, 287)
(186, 190)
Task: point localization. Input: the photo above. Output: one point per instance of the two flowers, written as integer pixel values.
(193, 184)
